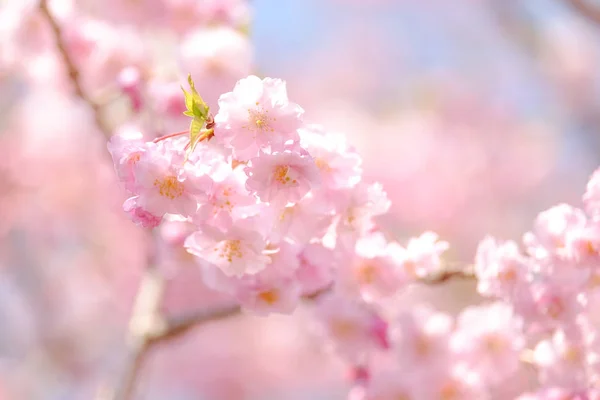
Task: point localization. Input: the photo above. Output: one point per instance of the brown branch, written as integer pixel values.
(587, 10)
(148, 328)
(447, 276)
(72, 70)
(145, 319)
(178, 326)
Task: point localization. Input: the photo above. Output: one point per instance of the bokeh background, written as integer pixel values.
(474, 114)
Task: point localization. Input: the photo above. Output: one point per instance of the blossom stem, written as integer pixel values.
(74, 75)
(170, 135)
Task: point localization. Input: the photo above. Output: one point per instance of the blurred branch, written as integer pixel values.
(148, 328)
(72, 70)
(448, 275)
(177, 326)
(587, 10)
(145, 319)
(516, 26)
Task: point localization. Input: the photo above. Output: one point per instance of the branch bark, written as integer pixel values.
(72, 70)
(587, 10)
(149, 329)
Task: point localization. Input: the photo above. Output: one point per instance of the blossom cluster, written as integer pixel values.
(279, 206)
(280, 211)
(535, 336)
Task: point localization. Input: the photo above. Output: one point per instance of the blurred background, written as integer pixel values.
(475, 115)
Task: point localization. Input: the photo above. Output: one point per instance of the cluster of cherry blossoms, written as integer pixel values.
(280, 212)
(279, 207)
(536, 336)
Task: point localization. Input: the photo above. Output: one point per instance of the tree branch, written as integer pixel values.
(587, 10)
(149, 329)
(446, 276)
(72, 70)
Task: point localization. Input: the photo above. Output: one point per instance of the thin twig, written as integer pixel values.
(447, 276)
(148, 328)
(145, 319)
(72, 70)
(178, 326)
(587, 10)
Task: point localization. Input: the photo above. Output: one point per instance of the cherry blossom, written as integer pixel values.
(257, 115)
(282, 177)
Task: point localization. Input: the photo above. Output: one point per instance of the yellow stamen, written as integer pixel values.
(231, 249)
(169, 187)
(259, 120)
(269, 296)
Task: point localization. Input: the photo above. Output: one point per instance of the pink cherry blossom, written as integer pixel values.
(454, 384)
(421, 339)
(307, 219)
(551, 230)
(349, 326)
(562, 361)
(557, 393)
(499, 266)
(490, 341)
(358, 205)
(139, 215)
(546, 306)
(372, 267)
(126, 148)
(422, 255)
(317, 264)
(282, 177)
(256, 115)
(394, 384)
(226, 201)
(130, 83)
(165, 184)
(102, 51)
(238, 252)
(591, 197)
(273, 289)
(339, 165)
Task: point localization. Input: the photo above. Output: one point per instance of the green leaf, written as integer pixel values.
(196, 134)
(194, 103)
(198, 110)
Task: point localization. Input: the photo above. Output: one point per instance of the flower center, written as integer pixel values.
(508, 275)
(169, 187)
(259, 120)
(554, 308)
(573, 355)
(231, 249)
(134, 158)
(590, 248)
(422, 345)
(269, 296)
(343, 329)
(281, 175)
(366, 273)
(494, 344)
(410, 267)
(449, 391)
(322, 164)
